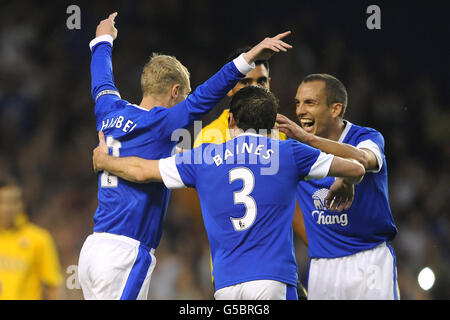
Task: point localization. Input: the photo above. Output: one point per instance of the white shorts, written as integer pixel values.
(113, 267)
(366, 275)
(257, 290)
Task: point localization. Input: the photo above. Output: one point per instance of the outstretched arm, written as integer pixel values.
(364, 156)
(102, 80)
(208, 94)
(133, 169)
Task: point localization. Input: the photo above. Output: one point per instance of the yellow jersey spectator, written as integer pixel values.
(29, 265)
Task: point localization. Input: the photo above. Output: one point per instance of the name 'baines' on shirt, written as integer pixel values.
(247, 148)
(236, 151)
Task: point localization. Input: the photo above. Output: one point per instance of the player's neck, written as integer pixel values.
(236, 131)
(336, 130)
(149, 102)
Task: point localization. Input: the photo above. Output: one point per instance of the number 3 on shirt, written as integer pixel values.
(243, 196)
(108, 180)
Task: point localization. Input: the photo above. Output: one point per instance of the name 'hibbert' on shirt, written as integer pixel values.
(119, 123)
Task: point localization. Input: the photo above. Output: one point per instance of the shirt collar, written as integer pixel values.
(348, 125)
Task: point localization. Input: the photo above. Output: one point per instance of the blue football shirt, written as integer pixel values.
(367, 223)
(246, 188)
(137, 210)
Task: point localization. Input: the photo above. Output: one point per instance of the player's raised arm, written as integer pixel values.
(133, 169)
(207, 95)
(266, 48)
(102, 80)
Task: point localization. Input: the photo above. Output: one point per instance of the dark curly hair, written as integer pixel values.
(254, 108)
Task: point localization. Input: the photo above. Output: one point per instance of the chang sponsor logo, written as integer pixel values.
(322, 217)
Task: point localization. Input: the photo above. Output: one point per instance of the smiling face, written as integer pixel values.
(312, 109)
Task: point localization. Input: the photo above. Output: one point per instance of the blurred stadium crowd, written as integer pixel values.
(47, 129)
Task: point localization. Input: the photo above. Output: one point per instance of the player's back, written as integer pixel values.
(247, 192)
(125, 208)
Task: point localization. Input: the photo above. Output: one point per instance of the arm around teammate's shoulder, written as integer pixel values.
(367, 153)
(132, 169)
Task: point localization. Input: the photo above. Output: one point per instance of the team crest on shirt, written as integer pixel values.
(321, 215)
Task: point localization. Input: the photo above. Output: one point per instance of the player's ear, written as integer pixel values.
(336, 109)
(232, 126)
(176, 91)
(231, 121)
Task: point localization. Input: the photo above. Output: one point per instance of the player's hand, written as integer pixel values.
(340, 196)
(107, 27)
(290, 128)
(266, 48)
(99, 153)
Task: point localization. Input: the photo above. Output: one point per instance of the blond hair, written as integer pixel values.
(161, 72)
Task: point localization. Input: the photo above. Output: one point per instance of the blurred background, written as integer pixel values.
(396, 77)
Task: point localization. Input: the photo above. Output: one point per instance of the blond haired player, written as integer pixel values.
(117, 260)
(29, 265)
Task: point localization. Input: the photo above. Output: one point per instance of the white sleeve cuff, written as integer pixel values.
(242, 65)
(321, 167)
(169, 173)
(102, 93)
(372, 146)
(105, 37)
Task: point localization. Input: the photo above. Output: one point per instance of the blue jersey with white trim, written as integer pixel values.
(138, 210)
(367, 223)
(246, 188)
